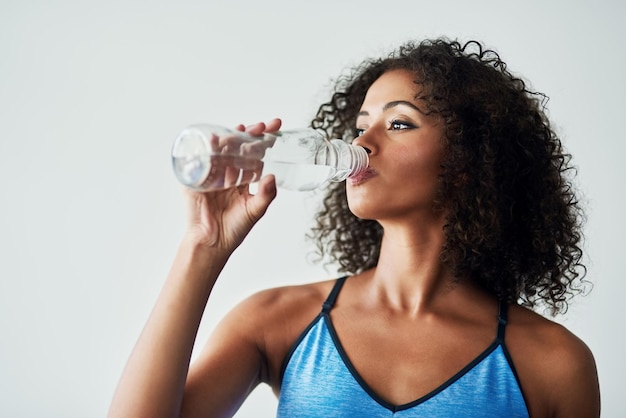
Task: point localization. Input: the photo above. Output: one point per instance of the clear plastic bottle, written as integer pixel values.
(210, 157)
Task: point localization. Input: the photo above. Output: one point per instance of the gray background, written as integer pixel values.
(93, 93)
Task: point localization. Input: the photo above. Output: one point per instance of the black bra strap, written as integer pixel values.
(503, 319)
(330, 300)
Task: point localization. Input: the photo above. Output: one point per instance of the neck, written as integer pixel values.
(409, 276)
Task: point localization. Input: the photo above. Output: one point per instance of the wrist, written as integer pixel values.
(199, 249)
(199, 262)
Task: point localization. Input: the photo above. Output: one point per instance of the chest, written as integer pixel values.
(321, 371)
(405, 360)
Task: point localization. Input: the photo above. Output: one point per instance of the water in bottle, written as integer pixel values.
(209, 157)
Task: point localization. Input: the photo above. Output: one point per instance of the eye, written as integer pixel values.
(399, 125)
(359, 132)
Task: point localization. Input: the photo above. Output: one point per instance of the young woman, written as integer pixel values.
(464, 221)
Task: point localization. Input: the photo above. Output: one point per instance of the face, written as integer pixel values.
(405, 150)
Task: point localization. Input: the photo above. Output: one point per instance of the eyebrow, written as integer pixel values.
(390, 105)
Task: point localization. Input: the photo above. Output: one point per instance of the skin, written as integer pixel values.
(438, 324)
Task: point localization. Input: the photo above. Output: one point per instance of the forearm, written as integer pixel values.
(153, 380)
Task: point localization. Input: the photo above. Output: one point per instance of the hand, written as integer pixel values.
(221, 219)
(236, 157)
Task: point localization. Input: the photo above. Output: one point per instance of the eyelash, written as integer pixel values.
(393, 125)
(405, 125)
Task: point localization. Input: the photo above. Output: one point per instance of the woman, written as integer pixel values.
(464, 221)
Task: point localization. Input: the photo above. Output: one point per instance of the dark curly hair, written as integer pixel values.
(513, 221)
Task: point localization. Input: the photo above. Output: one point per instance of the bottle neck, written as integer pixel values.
(349, 161)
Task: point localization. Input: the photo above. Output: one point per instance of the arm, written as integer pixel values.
(153, 381)
(577, 392)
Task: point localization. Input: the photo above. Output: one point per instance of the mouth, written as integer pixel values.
(361, 177)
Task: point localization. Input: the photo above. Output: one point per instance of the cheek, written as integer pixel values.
(419, 165)
(417, 175)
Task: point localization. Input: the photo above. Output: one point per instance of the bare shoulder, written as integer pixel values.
(289, 301)
(556, 368)
(276, 317)
(266, 313)
(541, 332)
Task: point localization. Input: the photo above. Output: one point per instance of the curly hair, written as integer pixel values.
(513, 221)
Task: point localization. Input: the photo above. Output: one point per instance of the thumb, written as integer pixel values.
(258, 204)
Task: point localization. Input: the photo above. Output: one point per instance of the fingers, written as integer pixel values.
(242, 157)
(273, 125)
(259, 128)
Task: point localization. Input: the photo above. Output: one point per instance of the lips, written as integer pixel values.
(361, 177)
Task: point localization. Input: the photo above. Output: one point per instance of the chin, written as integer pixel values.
(363, 208)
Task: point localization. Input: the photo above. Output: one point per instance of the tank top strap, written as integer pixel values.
(503, 319)
(330, 300)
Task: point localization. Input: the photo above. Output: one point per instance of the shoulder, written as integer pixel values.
(538, 334)
(556, 369)
(287, 300)
(267, 313)
(275, 318)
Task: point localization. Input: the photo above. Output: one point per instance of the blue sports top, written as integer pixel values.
(318, 380)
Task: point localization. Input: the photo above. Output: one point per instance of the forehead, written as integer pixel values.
(392, 85)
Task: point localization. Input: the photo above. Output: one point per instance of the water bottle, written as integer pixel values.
(210, 157)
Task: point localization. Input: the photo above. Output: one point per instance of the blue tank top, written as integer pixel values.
(318, 380)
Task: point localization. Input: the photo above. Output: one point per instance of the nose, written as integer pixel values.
(366, 140)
